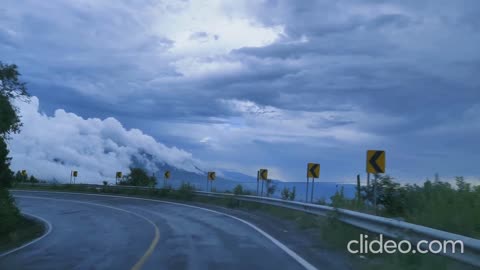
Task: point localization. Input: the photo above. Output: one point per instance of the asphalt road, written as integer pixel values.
(103, 232)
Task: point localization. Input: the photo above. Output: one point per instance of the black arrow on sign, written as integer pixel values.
(313, 170)
(263, 174)
(373, 161)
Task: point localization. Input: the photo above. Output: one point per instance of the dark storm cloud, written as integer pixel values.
(406, 67)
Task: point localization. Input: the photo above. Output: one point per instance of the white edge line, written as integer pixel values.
(156, 229)
(279, 244)
(45, 222)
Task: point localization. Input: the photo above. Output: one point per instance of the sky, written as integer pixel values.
(242, 85)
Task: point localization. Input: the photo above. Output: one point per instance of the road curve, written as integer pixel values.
(113, 232)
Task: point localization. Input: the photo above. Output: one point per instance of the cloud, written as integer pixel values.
(50, 147)
(277, 83)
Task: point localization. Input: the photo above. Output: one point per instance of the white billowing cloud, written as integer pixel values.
(50, 147)
(207, 28)
(272, 124)
(253, 122)
(198, 68)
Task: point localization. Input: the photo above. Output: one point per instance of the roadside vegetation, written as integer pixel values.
(435, 204)
(288, 194)
(325, 232)
(138, 177)
(15, 229)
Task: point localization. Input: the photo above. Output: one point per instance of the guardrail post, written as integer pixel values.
(375, 192)
(258, 179)
(306, 191)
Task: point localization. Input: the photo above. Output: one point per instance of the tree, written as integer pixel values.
(285, 193)
(390, 195)
(138, 177)
(21, 178)
(33, 179)
(338, 199)
(10, 88)
(238, 190)
(292, 194)
(6, 175)
(462, 185)
(270, 188)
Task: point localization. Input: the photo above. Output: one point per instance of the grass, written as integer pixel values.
(435, 204)
(329, 231)
(27, 229)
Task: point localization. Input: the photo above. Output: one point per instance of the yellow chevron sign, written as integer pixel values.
(167, 175)
(211, 175)
(313, 170)
(75, 173)
(118, 175)
(263, 174)
(376, 161)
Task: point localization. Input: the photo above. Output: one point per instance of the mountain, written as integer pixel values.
(238, 177)
(227, 180)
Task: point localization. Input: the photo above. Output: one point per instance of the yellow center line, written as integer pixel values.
(150, 249)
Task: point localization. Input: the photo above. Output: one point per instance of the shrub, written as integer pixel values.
(185, 192)
(9, 213)
(238, 190)
(286, 194)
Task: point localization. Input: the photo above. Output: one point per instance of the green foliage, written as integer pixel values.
(9, 119)
(390, 195)
(10, 87)
(138, 177)
(270, 187)
(338, 199)
(9, 213)
(20, 178)
(33, 179)
(434, 204)
(440, 205)
(185, 192)
(6, 175)
(286, 194)
(238, 190)
(322, 201)
(293, 194)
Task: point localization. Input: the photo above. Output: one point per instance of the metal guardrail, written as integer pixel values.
(392, 228)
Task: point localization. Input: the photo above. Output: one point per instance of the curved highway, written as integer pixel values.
(113, 232)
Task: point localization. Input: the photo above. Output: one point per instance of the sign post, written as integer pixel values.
(375, 165)
(210, 177)
(306, 192)
(118, 176)
(258, 179)
(263, 176)
(358, 190)
(166, 176)
(313, 171)
(74, 174)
